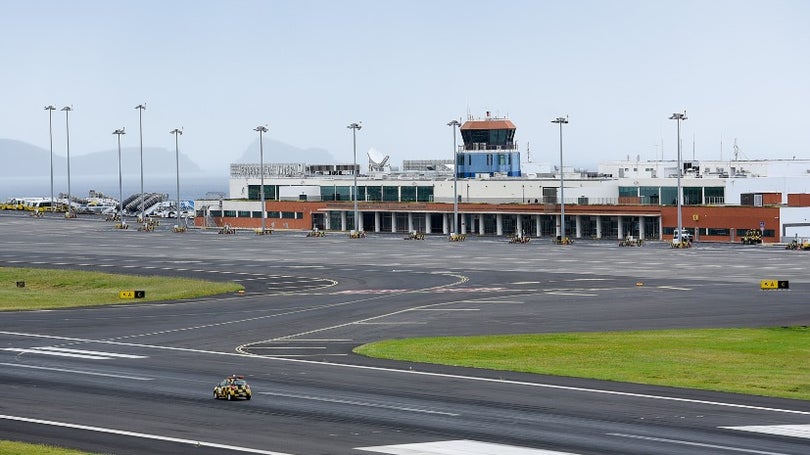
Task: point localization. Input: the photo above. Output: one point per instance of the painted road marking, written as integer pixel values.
(539, 385)
(75, 353)
(190, 442)
(65, 370)
(360, 403)
(465, 446)
(82, 351)
(695, 444)
(574, 294)
(674, 288)
(795, 431)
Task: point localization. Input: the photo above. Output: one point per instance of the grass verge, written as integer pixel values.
(21, 448)
(52, 289)
(766, 361)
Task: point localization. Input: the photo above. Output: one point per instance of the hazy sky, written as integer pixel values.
(619, 69)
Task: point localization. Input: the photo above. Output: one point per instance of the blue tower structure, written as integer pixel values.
(489, 149)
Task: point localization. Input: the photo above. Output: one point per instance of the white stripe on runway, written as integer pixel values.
(795, 431)
(65, 370)
(464, 446)
(359, 403)
(190, 442)
(62, 354)
(82, 351)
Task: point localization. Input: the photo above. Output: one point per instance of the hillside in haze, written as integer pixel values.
(279, 152)
(25, 160)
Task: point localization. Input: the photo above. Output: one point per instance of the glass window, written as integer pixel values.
(628, 191)
(269, 192)
(327, 193)
(256, 214)
(424, 194)
(715, 194)
(230, 213)
(216, 213)
(343, 193)
(649, 194)
(692, 196)
(408, 194)
(243, 214)
(374, 193)
(669, 195)
(391, 193)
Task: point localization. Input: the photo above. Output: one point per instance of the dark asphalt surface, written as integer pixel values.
(133, 379)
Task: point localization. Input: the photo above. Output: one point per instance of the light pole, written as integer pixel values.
(67, 110)
(455, 124)
(177, 132)
(141, 108)
(118, 133)
(354, 127)
(677, 116)
(50, 110)
(262, 129)
(561, 121)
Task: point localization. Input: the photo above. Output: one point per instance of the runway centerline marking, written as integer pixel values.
(465, 446)
(795, 431)
(695, 444)
(133, 434)
(421, 373)
(360, 403)
(90, 373)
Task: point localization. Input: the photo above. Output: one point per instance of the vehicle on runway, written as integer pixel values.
(233, 387)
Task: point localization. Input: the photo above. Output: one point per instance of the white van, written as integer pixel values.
(686, 236)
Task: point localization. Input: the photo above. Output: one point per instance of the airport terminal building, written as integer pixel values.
(497, 194)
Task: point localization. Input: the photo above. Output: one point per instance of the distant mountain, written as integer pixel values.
(21, 159)
(279, 152)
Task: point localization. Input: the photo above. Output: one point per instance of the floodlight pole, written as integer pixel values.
(561, 121)
(67, 110)
(50, 110)
(177, 132)
(354, 127)
(677, 116)
(141, 108)
(455, 124)
(119, 132)
(262, 129)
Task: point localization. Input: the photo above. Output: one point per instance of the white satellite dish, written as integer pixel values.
(377, 161)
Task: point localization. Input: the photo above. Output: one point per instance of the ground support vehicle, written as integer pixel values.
(233, 387)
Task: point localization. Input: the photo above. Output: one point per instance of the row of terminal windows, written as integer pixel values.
(376, 193)
(253, 214)
(668, 195)
(720, 232)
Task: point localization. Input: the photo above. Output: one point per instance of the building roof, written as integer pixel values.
(489, 124)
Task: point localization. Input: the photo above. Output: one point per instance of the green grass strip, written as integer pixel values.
(764, 361)
(21, 448)
(52, 289)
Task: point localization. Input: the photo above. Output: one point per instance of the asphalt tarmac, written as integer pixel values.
(138, 378)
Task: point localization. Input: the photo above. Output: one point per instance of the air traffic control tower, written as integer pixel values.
(489, 149)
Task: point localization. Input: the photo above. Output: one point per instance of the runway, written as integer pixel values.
(137, 378)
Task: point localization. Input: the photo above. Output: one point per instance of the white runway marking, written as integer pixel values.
(82, 351)
(574, 294)
(65, 370)
(695, 444)
(464, 446)
(540, 385)
(360, 403)
(190, 442)
(75, 353)
(795, 431)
